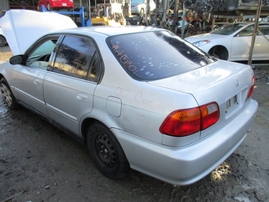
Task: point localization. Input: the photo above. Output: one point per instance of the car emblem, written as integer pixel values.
(237, 82)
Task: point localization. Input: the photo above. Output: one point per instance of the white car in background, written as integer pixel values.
(173, 116)
(232, 42)
(139, 6)
(2, 38)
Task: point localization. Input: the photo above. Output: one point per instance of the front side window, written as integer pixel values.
(248, 31)
(75, 56)
(156, 55)
(38, 56)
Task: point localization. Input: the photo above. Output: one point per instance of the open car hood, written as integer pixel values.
(23, 27)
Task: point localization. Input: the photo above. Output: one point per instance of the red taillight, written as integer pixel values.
(251, 87)
(189, 121)
(210, 115)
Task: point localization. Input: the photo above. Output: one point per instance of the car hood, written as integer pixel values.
(206, 36)
(23, 27)
(214, 82)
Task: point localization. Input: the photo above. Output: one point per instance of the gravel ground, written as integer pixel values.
(40, 163)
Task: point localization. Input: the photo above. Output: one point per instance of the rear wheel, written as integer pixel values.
(106, 152)
(7, 95)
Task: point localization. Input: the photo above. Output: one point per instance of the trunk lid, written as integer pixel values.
(223, 82)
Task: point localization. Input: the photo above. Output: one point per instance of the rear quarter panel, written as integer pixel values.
(139, 108)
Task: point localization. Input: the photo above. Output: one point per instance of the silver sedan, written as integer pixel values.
(137, 97)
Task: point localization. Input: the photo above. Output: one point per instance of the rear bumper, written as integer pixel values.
(186, 165)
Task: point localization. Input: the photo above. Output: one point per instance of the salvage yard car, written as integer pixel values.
(232, 42)
(55, 4)
(139, 7)
(173, 116)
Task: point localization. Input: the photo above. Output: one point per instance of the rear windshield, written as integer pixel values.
(156, 55)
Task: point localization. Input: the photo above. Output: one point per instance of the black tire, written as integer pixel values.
(106, 152)
(2, 41)
(7, 95)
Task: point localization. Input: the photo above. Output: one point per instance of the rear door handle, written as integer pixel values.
(82, 97)
(37, 82)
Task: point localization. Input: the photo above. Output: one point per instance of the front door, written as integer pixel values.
(29, 78)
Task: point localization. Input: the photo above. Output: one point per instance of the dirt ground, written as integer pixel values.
(38, 162)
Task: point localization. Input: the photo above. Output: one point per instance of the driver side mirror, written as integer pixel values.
(17, 59)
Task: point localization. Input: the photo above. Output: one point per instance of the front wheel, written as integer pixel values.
(7, 95)
(219, 52)
(106, 152)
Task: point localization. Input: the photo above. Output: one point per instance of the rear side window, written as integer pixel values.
(156, 55)
(248, 31)
(77, 56)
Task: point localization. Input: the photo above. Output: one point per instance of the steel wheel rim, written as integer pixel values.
(105, 150)
(6, 94)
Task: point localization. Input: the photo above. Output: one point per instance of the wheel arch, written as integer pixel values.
(2, 36)
(219, 51)
(86, 123)
(1, 76)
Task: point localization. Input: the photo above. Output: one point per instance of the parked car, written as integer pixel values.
(55, 4)
(2, 38)
(138, 7)
(232, 42)
(173, 116)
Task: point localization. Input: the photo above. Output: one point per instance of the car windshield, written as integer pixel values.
(156, 55)
(137, 1)
(227, 29)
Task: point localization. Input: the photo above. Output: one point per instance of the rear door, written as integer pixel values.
(70, 85)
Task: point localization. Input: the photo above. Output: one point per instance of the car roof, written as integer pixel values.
(109, 30)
